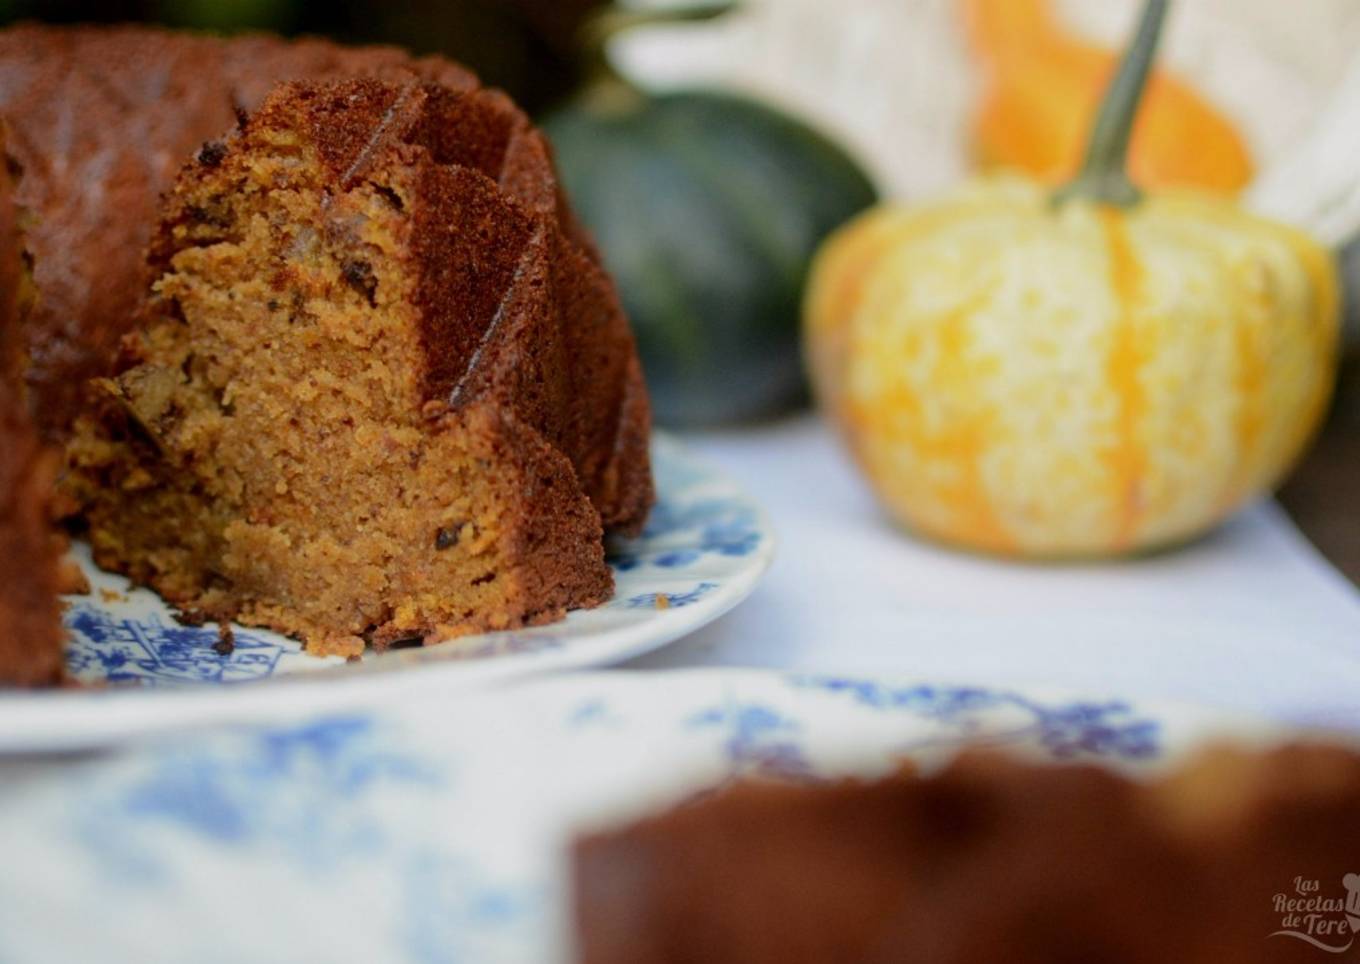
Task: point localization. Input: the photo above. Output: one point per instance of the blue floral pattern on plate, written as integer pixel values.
(704, 546)
(152, 649)
(436, 830)
(1066, 729)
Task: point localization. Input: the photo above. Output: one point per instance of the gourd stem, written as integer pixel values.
(605, 86)
(1103, 177)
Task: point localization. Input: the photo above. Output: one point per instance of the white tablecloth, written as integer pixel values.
(406, 834)
(1251, 618)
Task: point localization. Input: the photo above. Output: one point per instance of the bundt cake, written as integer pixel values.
(991, 860)
(520, 383)
(380, 389)
(30, 622)
(101, 120)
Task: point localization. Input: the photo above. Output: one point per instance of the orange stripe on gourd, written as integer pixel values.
(965, 439)
(948, 457)
(1127, 457)
(838, 284)
(835, 292)
(1325, 330)
(1249, 425)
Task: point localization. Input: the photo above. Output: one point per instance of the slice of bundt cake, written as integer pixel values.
(380, 390)
(102, 119)
(30, 621)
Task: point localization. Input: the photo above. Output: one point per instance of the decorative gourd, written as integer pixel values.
(708, 208)
(1079, 374)
(1043, 85)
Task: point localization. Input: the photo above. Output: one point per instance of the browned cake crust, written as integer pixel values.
(381, 389)
(101, 119)
(991, 860)
(30, 621)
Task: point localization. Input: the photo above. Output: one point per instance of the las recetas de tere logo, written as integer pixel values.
(1326, 920)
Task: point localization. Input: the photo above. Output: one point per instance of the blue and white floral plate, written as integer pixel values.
(705, 547)
(436, 830)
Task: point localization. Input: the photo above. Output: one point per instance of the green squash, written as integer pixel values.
(707, 208)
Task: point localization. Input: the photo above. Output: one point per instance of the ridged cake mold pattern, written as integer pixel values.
(436, 830)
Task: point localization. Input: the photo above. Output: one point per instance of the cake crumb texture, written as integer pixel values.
(101, 118)
(381, 387)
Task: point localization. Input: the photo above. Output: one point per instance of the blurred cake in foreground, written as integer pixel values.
(380, 388)
(30, 623)
(992, 860)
